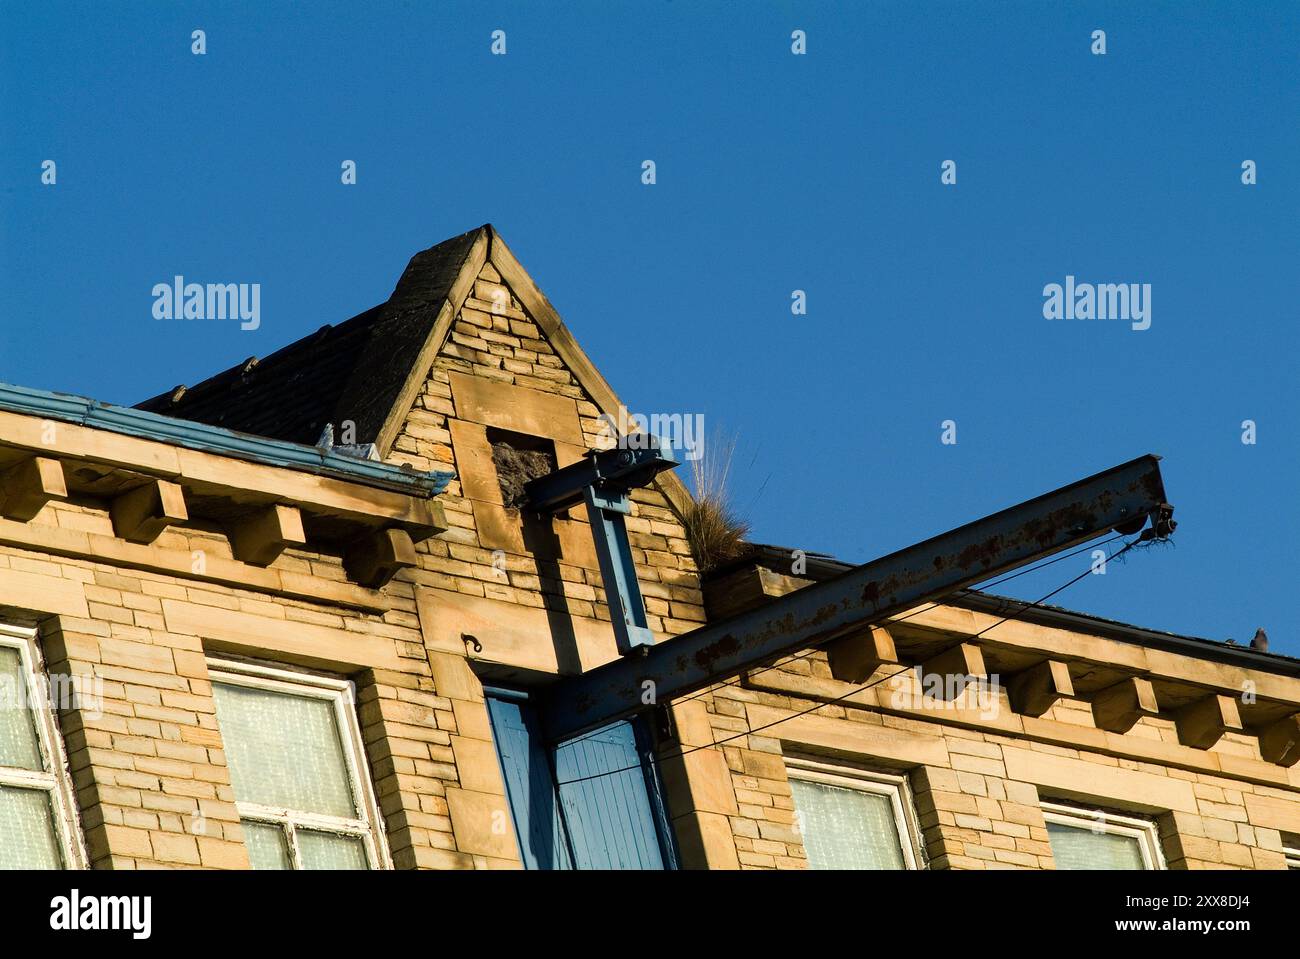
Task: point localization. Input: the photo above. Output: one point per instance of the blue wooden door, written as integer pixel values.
(590, 803)
(530, 785)
(605, 791)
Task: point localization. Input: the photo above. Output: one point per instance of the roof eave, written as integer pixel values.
(189, 434)
(1055, 616)
(822, 566)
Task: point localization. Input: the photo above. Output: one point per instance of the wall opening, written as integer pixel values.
(519, 458)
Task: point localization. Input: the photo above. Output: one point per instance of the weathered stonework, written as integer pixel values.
(134, 594)
(499, 370)
(978, 783)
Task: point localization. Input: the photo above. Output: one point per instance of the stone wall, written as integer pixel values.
(147, 759)
(977, 788)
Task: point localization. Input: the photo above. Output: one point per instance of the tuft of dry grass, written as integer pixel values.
(713, 529)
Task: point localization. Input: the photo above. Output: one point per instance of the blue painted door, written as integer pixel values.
(605, 785)
(590, 803)
(530, 785)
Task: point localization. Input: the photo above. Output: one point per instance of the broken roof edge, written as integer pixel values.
(824, 566)
(190, 434)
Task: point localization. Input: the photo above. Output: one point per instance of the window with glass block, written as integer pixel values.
(297, 767)
(38, 827)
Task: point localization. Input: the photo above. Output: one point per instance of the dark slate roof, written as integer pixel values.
(353, 371)
(290, 395)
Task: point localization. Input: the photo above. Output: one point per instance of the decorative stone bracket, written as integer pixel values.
(146, 486)
(28, 486)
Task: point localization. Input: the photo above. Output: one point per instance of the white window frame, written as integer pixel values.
(54, 779)
(1099, 820)
(1292, 854)
(892, 786)
(341, 694)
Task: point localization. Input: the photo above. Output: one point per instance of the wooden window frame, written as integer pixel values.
(54, 779)
(1114, 824)
(893, 786)
(341, 694)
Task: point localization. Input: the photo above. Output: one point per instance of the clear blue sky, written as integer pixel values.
(775, 172)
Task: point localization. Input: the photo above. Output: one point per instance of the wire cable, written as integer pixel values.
(857, 689)
(806, 654)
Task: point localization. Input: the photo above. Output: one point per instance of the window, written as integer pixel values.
(1291, 849)
(295, 755)
(1092, 839)
(38, 827)
(853, 819)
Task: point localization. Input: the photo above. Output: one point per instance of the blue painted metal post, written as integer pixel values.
(602, 480)
(606, 509)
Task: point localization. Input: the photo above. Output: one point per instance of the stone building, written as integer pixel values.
(292, 617)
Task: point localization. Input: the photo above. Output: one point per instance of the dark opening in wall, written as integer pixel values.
(518, 459)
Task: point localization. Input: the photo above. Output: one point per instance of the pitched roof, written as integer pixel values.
(371, 368)
(353, 371)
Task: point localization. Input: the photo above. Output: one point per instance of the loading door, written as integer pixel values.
(591, 803)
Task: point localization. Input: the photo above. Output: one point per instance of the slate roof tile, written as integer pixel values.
(352, 371)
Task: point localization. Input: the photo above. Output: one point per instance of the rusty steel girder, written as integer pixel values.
(1121, 498)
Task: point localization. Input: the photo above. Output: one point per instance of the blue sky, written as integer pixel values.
(775, 172)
